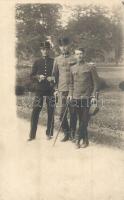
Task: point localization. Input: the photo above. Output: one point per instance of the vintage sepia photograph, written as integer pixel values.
(68, 136)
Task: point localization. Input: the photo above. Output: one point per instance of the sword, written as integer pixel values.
(61, 123)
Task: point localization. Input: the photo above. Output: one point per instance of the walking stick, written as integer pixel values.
(61, 124)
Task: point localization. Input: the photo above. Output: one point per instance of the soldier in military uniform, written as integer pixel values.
(83, 90)
(61, 72)
(42, 75)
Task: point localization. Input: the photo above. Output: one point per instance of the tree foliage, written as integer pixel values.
(34, 22)
(95, 29)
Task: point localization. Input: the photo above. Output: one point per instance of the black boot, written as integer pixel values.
(30, 139)
(77, 144)
(66, 138)
(49, 135)
(85, 144)
(72, 136)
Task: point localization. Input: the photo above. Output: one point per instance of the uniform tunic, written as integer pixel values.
(43, 67)
(61, 72)
(43, 88)
(83, 85)
(83, 81)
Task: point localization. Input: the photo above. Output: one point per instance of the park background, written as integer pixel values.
(97, 28)
(37, 170)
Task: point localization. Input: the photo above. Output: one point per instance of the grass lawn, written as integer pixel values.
(110, 102)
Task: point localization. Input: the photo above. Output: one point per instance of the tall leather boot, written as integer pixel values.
(66, 136)
(72, 136)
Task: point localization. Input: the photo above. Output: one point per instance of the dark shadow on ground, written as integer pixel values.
(107, 139)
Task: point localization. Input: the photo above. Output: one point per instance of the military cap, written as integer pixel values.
(45, 44)
(64, 41)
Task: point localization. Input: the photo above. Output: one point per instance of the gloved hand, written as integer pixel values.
(94, 100)
(50, 78)
(41, 77)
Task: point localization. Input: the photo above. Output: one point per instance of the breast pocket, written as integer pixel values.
(85, 75)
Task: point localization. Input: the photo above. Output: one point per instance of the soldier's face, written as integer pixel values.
(64, 49)
(79, 55)
(45, 52)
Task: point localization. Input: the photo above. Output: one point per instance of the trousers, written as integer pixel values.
(66, 115)
(80, 111)
(37, 107)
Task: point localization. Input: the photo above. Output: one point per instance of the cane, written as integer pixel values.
(61, 124)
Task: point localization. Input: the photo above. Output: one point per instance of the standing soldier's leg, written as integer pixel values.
(85, 120)
(73, 119)
(37, 106)
(79, 131)
(63, 113)
(50, 100)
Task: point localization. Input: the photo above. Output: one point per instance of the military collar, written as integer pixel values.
(46, 58)
(81, 63)
(66, 55)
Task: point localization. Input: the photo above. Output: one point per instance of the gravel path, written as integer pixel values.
(39, 171)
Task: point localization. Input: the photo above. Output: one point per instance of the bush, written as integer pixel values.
(102, 84)
(19, 90)
(121, 85)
